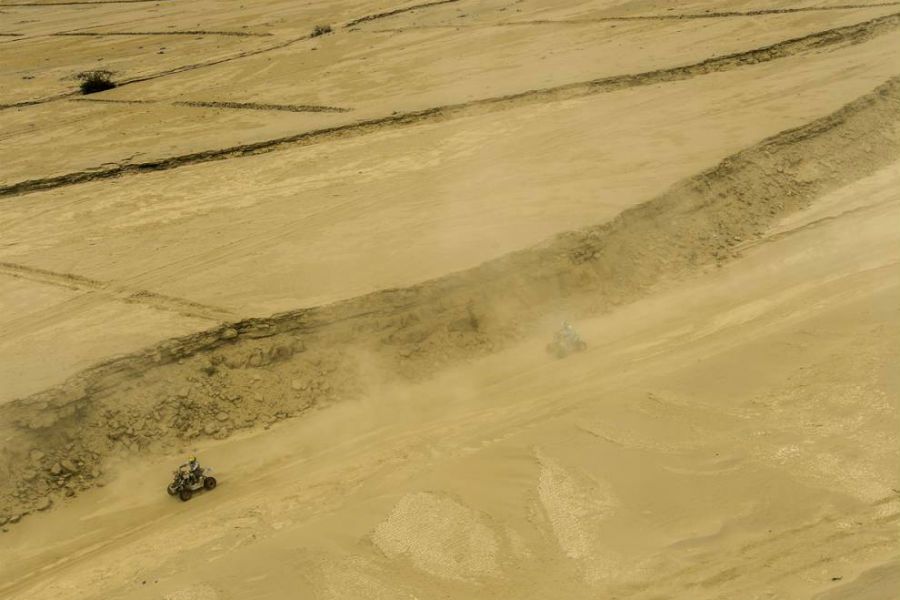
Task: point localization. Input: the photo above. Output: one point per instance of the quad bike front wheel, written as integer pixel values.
(171, 490)
(185, 494)
(209, 483)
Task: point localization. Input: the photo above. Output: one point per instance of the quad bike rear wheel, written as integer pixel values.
(209, 483)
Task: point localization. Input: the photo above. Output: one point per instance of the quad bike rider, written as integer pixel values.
(566, 341)
(190, 477)
(193, 468)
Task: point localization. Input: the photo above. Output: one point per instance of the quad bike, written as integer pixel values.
(184, 484)
(564, 344)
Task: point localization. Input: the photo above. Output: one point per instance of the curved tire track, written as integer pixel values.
(850, 34)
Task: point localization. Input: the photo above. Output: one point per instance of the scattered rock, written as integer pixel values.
(3, 521)
(183, 392)
(210, 428)
(15, 518)
(296, 385)
(209, 368)
(56, 469)
(229, 334)
(234, 362)
(43, 503)
(222, 416)
(69, 466)
(37, 456)
(279, 352)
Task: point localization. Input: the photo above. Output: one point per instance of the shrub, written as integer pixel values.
(321, 30)
(96, 81)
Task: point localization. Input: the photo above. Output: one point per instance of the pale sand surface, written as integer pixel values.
(730, 432)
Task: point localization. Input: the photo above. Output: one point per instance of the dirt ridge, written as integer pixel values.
(257, 371)
(851, 34)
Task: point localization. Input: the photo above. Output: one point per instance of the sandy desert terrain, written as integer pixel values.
(329, 265)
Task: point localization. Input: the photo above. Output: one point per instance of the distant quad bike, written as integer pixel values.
(184, 485)
(565, 343)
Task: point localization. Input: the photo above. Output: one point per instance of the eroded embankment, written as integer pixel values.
(852, 34)
(258, 371)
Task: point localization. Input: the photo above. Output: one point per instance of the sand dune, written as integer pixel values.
(330, 264)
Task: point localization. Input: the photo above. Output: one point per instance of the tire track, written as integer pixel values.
(851, 34)
(173, 71)
(397, 11)
(705, 15)
(228, 105)
(772, 554)
(112, 101)
(256, 106)
(154, 300)
(75, 3)
(203, 64)
(138, 33)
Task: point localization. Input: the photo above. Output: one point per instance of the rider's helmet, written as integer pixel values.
(192, 459)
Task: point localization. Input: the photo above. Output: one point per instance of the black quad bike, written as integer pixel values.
(184, 484)
(564, 344)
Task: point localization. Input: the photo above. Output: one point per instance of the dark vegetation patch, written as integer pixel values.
(321, 30)
(95, 81)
